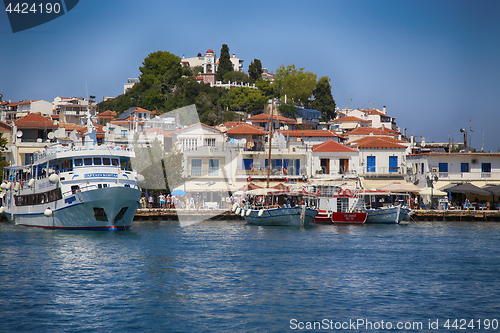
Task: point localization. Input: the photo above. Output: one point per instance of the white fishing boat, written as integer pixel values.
(279, 208)
(385, 207)
(74, 186)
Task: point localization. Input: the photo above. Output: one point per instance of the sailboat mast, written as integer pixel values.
(270, 137)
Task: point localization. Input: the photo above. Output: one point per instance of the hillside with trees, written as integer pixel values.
(165, 85)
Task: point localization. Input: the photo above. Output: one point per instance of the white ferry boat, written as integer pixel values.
(74, 186)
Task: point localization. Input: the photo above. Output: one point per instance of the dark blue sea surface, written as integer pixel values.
(231, 277)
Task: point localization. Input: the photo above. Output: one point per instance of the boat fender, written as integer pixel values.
(3, 186)
(347, 191)
(2, 209)
(31, 182)
(237, 211)
(8, 186)
(340, 191)
(248, 212)
(17, 185)
(48, 212)
(260, 212)
(242, 213)
(140, 179)
(53, 178)
(234, 207)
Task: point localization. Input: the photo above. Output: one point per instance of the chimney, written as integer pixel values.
(385, 112)
(234, 55)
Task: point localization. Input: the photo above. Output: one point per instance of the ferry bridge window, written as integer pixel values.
(78, 162)
(115, 162)
(87, 161)
(106, 161)
(97, 161)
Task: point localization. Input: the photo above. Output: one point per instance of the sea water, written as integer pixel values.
(231, 277)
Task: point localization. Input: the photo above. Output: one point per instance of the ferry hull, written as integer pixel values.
(111, 208)
(291, 216)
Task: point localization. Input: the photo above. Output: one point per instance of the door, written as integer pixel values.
(344, 166)
(370, 164)
(393, 164)
(325, 165)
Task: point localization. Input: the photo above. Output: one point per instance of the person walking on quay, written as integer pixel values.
(150, 199)
(161, 198)
(169, 201)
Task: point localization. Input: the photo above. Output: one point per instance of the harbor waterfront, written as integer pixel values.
(228, 276)
(144, 214)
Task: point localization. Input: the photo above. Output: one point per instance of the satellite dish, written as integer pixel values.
(72, 136)
(286, 127)
(243, 141)
(19, 133)
(50, 135)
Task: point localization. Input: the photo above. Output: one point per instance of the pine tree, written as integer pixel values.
(323, 99)
(225, 64)
(255, 70)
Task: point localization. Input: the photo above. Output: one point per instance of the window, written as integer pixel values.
(106, 161)
(247, 163)
(464, 167)
(393, 164)
(189, 144)
(196, 164)
(78, 162)
(209, 142)
(485, 169)
(370, 164)
(115, 162)
(213, 167)
(97, 161)
(443, 169)
(87, 161)
(124, 133)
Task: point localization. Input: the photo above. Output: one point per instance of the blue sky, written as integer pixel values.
(433, 64)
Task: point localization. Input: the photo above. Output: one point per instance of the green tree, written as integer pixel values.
(236, 77)
(323, 99)
(296, 84)
(247, 99)
(255, 70)
(225, 64)
(266, 88)
(161, 69)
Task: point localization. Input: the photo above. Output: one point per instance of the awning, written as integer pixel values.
(205, 186)
(373, 184)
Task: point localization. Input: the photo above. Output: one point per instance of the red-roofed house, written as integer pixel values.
(381, 156)
(362, 132)
(333, 159)
(253, 135)
(32, 134)
(349, 123)
(311, 137)
(263, 119)
(39, 106)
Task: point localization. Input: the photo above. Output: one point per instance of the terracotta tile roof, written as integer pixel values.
(372, 130)
(26, 102)
(349, 119)
(332, 146)
(245, 129)
(378, 142)
(4, 127)
(34, 120)
(375, 112)
(230, 124)
(309, 133)
(265, 117)
(107, 114)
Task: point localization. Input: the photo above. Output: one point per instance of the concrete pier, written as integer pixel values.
(456, 215)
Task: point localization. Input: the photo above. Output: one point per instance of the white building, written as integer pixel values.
(444, 168)
(72, 110)
(45, 108)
